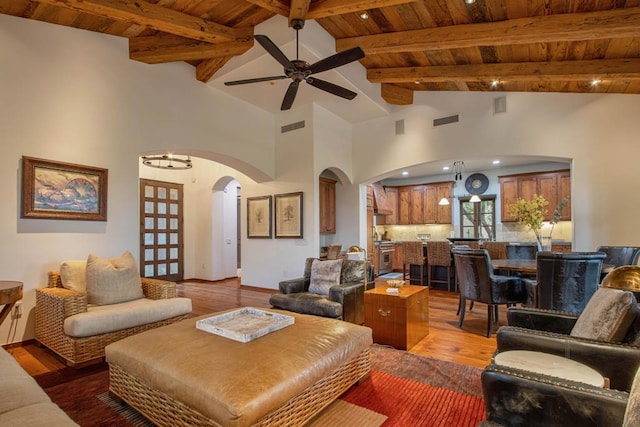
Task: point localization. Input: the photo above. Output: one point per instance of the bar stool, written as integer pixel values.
(439, 254)
(497, 250)
(412, 253)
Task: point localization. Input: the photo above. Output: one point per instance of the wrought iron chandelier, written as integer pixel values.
(167, 161)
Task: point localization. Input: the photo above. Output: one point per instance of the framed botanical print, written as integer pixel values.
(288, 215)
(259, 217)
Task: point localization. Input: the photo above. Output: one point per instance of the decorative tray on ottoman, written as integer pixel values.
(245, 324)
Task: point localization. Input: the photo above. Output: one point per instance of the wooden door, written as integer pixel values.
(564, 191)
(416, 204)
(161, 230)
(403, 205)
(547, 188)
(392, 197)
(430, 204)
(509, 194)
(444, 215)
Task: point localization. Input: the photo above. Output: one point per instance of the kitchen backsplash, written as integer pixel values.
(505, 232)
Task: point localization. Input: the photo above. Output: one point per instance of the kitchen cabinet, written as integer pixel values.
(398, 256)
(418, 204)
(327, 193)
(553, 186)
(392, 196)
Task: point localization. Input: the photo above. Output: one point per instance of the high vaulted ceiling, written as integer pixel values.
(410, 45)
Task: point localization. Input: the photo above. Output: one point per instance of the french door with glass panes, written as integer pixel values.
(161, 234)
(478, 220)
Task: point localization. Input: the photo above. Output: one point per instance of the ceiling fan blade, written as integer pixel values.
(333, 61)
(256, 80)
(287, 102)
(274, 51)
(331, 88)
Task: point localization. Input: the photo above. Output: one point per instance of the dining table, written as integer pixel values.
(529, 266)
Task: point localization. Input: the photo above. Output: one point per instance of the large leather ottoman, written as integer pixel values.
(180, 375)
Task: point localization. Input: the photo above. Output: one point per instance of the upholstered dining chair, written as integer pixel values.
(564, 281)
(479, 283)
(333, 252)
(412, 254)
(521, 251)
(439, 255)
(620, 255)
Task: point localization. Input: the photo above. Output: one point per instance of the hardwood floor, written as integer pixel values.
(467, 346)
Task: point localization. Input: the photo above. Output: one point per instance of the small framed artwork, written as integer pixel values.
(58, 190)
(288, 213)
(259, 217)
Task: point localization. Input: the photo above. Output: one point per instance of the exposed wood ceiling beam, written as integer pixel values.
(396, 95)
(207, 68)
(298, 11)
(324, 8)
(157, 17)
(170, 48)
(540, 29)
(522, 71)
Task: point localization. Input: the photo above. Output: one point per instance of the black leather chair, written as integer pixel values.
(521, 251)
(564, 281)
(620, 255)
(345, 300)
(515, 397)
(478, 283)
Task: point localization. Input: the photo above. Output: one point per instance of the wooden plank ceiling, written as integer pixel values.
(410, 45)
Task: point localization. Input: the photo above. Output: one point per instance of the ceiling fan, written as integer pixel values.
(298, 70)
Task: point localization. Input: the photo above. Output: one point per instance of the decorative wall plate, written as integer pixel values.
(477, 183)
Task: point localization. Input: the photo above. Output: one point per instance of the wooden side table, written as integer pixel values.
(399, 320)
(10, 292)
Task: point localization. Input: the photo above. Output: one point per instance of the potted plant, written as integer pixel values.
(531, 213)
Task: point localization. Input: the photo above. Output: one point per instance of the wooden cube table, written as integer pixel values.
(399, 320)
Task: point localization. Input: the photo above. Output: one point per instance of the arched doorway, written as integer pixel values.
(225, 229)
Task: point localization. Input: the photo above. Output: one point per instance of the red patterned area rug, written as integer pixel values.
(404, 390)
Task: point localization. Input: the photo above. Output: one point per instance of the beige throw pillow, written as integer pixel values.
(324, 275)
(73, 275)
(112, 280)
(606, 317)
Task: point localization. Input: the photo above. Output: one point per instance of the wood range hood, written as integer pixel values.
(381, 203)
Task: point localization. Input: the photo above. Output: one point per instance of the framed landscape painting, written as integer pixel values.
(58, 190)
(288, 215)
(259, 217)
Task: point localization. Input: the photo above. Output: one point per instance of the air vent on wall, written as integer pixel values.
(500, 105)
(292, 126)
(399, 127)
(446, 120)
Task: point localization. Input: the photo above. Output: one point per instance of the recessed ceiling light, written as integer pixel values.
(495, 83)
(364, 15)
(496, 162)
(445, 168)
(405, 173)
(469, 1)
(417, 82)
(595, 82)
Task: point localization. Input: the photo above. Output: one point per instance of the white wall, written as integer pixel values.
(598, 132)
(60, 100)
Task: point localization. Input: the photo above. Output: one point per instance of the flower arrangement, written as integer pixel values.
(531, 213)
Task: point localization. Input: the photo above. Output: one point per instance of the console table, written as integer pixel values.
(10, 293)
(400, 320)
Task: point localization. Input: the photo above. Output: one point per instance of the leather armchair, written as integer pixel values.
(345, 300)
(548, 332)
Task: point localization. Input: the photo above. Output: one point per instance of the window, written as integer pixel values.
(478, 220)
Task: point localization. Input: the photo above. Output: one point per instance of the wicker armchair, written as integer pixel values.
(54, 304)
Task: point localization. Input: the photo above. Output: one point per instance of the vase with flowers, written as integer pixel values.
(532, 212)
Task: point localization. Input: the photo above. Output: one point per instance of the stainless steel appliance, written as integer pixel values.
(385, 256)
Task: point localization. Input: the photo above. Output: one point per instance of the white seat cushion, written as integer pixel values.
(101, 319)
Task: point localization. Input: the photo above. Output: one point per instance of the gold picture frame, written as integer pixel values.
(259, 217)
(288, 216)
(57, 190)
